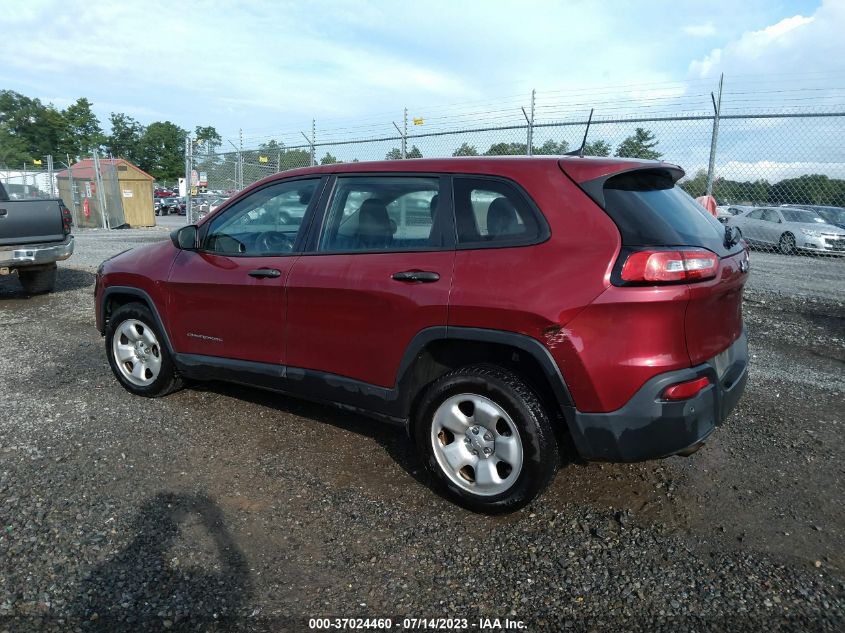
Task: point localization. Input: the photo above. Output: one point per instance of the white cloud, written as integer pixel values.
(797, 44)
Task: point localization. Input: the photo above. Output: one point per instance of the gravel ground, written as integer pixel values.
(222, 507)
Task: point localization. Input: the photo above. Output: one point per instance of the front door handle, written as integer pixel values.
(265, 272)
(421, 276)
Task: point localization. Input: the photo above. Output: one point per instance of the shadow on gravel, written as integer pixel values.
(391, 438)
(67, 279)
(150, 586)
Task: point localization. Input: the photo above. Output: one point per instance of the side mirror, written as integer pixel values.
(185, 238)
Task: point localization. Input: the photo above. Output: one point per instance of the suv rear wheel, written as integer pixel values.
(137, 354)
(486, 439)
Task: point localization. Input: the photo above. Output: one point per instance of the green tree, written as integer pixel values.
(125, 138)
(597, 148)
(394, 154)
(161, 150)
(293, 158)
(414, 152)
(328, 159)
(30, 129)
(465, 150)
(695, 186)
(551, 148)
(208, 140)
(507, 149)
(640, 144)
(83, 132)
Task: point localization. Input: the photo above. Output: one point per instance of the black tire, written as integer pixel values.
(38, 281)
(167, 380)
(786, 244)
(508, 391)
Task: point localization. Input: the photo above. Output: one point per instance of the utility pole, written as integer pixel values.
(313, 142)
(717, 110)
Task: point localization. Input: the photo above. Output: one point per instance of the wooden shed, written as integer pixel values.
(124, 183)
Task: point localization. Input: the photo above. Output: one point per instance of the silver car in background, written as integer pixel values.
(790, 230)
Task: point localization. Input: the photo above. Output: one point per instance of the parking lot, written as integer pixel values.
(223, 507)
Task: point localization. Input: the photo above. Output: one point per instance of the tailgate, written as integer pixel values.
(714, 315)
(30, 222)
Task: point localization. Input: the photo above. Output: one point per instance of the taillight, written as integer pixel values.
(686, 390)
(684, 265)
(67, 219)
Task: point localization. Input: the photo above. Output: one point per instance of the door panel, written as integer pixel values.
(382, 272)
(228, 298)
(348, 316)
(218, 309)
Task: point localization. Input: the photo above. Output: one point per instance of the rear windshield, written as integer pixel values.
(651, 211)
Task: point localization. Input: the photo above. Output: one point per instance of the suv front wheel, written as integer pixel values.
(486, 439)
(137, 354)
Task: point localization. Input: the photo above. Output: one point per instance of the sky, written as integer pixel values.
(269, 68)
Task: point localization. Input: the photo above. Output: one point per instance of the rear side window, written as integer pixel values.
(651, 211)
(390, 213)
(492, 212)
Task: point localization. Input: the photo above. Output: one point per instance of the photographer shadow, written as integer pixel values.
(144, 587)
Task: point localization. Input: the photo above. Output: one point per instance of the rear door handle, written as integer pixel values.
(421, 276)
(265, 272)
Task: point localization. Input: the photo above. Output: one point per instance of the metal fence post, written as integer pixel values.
(717, 109)
(50, 175)
(531, 127)
(101, 194)
(189, 208)
(313, 142)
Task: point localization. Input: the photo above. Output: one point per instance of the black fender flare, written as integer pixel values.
(522, 342)
(145, 297)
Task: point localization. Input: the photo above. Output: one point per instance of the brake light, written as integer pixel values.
(691, 264)
(67, 219)
(685, 390)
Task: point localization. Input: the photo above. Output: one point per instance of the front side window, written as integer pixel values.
(757, 214)
(266, 222)
(492, 212)
(770, 215)
(372, 213)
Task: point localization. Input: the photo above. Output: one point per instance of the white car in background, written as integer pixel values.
(789, 230)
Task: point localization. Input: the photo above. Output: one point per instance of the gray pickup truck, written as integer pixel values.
(34, 235)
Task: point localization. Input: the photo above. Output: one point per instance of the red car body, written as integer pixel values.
(339, 328)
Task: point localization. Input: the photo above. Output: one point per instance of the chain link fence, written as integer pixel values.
(778, 177)
(90, 188)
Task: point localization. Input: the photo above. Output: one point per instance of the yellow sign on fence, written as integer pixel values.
(37, 161)
(418, 120)
(262, 159)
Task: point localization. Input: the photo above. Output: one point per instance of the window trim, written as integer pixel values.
(445, 192)
(544, 232)
(305, 226)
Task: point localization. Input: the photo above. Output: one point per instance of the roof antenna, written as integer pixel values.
(580, 150)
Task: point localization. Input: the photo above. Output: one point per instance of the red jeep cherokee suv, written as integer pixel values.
(490, 305)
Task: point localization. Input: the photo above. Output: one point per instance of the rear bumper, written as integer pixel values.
(649, 428)
(35, 254)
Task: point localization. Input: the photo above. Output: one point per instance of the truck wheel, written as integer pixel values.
(39, 280)
(486, 439)
(137, 353)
